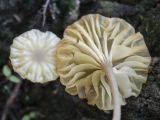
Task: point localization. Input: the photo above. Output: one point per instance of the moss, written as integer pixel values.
(150, 29)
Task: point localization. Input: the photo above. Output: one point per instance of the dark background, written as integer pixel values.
(27, 101)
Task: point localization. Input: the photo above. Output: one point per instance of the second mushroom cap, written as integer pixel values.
(86, 46)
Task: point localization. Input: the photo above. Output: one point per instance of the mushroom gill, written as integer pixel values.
(102, 60)
(32, 55)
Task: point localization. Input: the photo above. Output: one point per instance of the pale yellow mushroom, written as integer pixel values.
(103, 60)
(32, 55)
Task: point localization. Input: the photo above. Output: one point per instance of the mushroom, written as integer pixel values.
(32, 55)
(102, 60)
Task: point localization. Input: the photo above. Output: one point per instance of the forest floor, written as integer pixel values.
(28, 101)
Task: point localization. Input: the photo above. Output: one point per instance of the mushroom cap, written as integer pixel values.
(32, 55)
(86, 46)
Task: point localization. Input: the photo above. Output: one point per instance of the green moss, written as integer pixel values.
(150, 28)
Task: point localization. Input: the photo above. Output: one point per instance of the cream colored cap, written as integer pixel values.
(90, 43)
(32, 55)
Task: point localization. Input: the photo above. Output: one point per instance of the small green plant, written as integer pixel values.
(8, 74)
(30, 116)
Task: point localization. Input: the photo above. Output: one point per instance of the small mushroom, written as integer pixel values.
(103, 60)
(32, 55)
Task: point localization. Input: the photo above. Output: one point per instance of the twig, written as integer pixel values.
(45, 6)
(10, 101)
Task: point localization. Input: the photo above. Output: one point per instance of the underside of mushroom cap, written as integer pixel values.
(32, 55)
(91, 42)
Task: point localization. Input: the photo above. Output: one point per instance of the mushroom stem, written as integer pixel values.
(114, 88)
